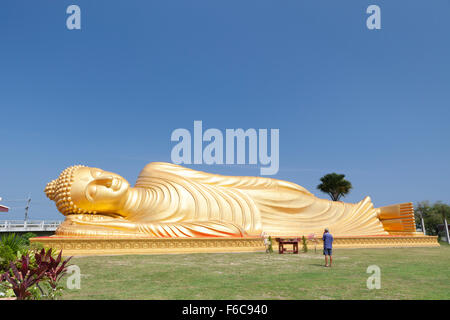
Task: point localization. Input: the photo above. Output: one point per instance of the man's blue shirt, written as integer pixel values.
(327, 241)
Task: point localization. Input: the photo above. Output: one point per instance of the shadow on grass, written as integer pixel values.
(318, 265)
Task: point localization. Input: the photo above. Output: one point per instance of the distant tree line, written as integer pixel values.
(433, 214)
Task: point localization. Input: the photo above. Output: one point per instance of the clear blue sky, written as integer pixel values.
(374, 105)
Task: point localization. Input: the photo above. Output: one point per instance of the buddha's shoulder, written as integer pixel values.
(161, 165)
(165, 170)
(164, 167)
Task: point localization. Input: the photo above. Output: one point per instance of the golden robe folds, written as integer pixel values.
(172, 201)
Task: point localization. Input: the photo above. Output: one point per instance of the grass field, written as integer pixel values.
(412, 273)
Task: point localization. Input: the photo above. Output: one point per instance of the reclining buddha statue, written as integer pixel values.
(173, 201)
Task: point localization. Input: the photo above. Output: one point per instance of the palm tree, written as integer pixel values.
(335, 185)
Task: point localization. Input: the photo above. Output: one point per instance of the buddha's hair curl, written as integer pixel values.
(58, 190)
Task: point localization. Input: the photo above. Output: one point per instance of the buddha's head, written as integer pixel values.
(80, 190)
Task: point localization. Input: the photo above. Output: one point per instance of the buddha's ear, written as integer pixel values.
(104, 181)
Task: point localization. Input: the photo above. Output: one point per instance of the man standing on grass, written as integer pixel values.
(327, 246)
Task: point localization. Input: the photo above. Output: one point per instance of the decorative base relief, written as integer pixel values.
(72, 246)
(391, 241)
(106, 246)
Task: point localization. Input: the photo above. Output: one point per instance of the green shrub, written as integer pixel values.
(10, 245)
(13, 247)
(305, 244)
(26, 237)
(36, 246)
(14, 241)
(6, 256)
(269, 248)
(5, 291)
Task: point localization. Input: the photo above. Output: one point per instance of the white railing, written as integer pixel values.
(31, 225)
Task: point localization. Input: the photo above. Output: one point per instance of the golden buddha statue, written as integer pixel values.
(172, 201)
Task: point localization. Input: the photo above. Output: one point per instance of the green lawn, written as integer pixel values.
(414, 273)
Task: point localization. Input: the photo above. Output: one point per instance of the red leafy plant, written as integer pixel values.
(46, 269)
(56, 269)
(22, 279)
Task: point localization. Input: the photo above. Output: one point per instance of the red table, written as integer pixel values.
(282, 242)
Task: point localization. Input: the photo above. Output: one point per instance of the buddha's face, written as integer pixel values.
(96, 190)
(88, 190)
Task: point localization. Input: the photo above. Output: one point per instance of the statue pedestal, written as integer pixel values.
(80, 246)
(390, 241)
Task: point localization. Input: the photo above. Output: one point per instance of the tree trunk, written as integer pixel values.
(446, 230)
(423, 226)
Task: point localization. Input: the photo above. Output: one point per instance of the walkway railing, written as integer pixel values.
(25, 226)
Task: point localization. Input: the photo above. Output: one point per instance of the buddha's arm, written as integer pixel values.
(105, 226)
(192, 229)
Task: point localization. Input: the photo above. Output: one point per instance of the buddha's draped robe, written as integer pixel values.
(173, 201)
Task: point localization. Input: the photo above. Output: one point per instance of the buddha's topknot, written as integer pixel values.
(59, 191)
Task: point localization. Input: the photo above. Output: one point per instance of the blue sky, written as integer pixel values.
(374, 105)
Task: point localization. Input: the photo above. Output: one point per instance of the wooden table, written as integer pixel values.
(283, 241)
